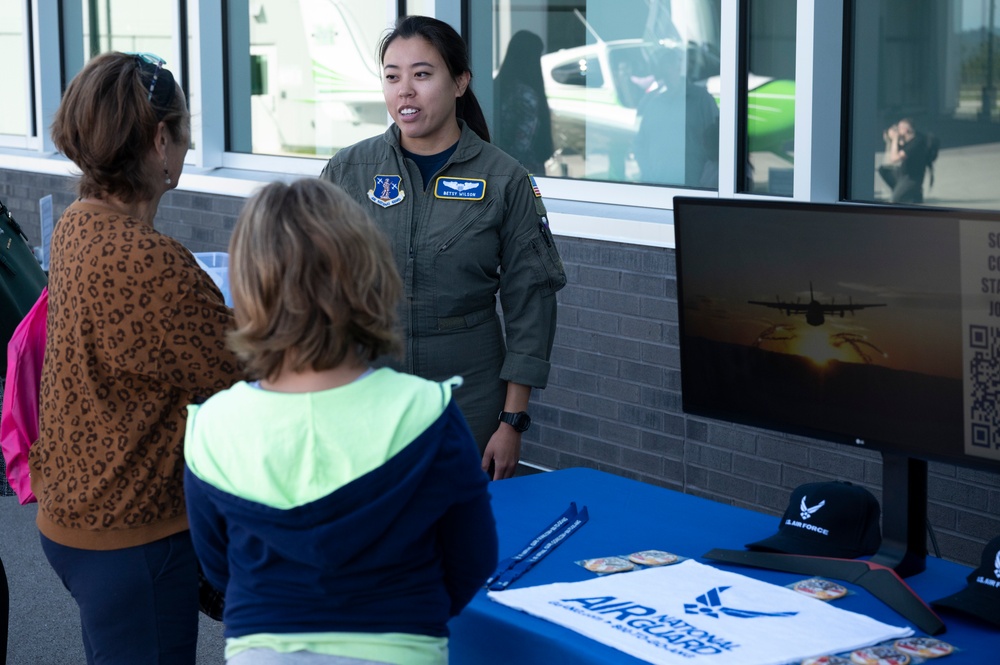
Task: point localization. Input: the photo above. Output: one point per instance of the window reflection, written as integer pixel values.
(770, 101)
(14, 119)
(121, 25)
(925, 125)
(92, 27)
(303, 75)
(626, 86)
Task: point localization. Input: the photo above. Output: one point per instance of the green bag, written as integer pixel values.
(21, 280)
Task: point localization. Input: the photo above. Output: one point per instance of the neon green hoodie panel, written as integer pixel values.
(318, 442)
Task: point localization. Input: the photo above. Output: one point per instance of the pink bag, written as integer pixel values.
(19, 419)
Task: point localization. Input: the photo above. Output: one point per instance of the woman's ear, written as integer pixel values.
(462, 83)
(161, 139)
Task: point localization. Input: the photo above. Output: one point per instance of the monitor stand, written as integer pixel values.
(904, 515)
(903, 551)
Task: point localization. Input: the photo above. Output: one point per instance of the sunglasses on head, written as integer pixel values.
(154, 61)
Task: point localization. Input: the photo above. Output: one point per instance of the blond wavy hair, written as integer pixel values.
(313, 281)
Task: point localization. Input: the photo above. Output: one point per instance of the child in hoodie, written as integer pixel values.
(342, 509)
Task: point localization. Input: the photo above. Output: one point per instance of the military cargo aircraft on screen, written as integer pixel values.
(814, 310)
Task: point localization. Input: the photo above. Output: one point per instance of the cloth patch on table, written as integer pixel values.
(692, 613)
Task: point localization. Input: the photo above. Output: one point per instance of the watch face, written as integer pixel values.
(520, 421)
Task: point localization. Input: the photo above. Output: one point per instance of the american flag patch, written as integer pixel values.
(534, 186)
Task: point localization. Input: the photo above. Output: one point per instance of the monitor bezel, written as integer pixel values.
(844, 438)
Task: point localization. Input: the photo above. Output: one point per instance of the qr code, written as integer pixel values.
(984, 381)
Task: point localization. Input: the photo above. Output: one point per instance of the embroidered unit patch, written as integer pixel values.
(388, 190)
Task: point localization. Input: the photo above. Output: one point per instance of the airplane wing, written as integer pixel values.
(788, 307)
(840, 309)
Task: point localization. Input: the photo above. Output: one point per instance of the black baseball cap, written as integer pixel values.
(981, 598)
(834, 519)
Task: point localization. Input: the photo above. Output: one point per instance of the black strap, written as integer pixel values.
(4, 613)
(13, 224)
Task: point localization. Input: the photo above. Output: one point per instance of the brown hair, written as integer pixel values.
(107, 121)
(313, 280)
(455, 54)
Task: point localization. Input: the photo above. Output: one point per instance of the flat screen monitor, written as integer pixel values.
(871, 326)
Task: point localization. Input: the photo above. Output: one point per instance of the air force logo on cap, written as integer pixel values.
(467, 189)
(807, 512)
(835, 519)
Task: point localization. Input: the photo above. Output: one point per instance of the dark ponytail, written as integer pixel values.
(454, 52)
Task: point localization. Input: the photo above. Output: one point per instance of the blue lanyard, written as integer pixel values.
(539, 547)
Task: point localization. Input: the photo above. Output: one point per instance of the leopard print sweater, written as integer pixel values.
(136, 332)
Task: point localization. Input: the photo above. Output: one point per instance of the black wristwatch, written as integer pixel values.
(520, 421)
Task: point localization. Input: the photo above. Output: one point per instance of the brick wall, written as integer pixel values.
(202, 222)
(613, 400)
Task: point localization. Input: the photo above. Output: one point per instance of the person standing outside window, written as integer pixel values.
(909, 154)
(521, 109)
(465, 221)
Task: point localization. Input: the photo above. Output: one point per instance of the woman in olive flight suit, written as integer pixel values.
(465, 220)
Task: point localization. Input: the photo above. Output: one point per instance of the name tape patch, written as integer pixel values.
(468, 189)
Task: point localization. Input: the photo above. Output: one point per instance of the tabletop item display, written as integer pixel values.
(826, 660)
(623, 563)
(819, 588)
(559, 611)
(912, 650)
(981, 597)
(511, 568)
(607, 564)
(834, 519)
(653, 558)
(925, 647)
(695, 613)
(880, 655)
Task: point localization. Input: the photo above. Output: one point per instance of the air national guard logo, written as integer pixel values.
(466, 189)
(387, 190)
(710, 604)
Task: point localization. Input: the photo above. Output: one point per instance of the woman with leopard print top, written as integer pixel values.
(136, 331)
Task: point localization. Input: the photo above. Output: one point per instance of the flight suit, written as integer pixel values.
(480, 227)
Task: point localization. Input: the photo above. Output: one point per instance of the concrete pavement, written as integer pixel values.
(44, 626)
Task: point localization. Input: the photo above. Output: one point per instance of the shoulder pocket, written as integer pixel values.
(546, 265)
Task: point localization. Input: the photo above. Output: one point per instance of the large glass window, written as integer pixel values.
(614, 91)
(770, 98)
(925, 125)
(16, 90)
(303, 75)
(98, 26)
(122, 25)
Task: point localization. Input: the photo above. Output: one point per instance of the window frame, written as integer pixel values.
(27, 138)
(620, 212)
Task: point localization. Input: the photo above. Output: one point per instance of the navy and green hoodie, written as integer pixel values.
(357, 509)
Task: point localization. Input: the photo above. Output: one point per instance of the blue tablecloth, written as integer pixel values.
(627, 516)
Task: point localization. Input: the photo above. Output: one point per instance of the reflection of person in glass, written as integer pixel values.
(907, 157)
(677, 140)
(521, 115)
(465, 224)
